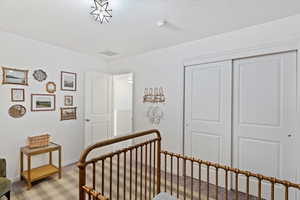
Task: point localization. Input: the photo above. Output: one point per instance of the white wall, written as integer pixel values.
(22, 53)
(165, 68)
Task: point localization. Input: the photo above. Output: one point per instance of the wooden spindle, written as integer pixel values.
(177, 177)
(110, 177)
(118, 176)
(217, 183)
(247, 187)
(165, 172)
(158, 165)
(207, 191)
(272, 190)
(171, 160)
(184, 179)
(146, 171)
(199, 178)
(259, 188)
(192, 181)
(136, 172)
(124, 177)
(102, 177)
(286, 192)
(150, 172)
(154, 172)
(141, 175)
(236, 185)
(94, 175)
(130, 175)
(226, 184)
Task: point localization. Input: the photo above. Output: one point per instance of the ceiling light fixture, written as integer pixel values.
(101, 11)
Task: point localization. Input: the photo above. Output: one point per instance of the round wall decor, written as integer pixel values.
(51, 87)
(155, 114)
(17, 111)
(39, 75)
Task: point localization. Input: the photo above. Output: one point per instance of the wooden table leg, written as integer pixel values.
(21, 164)
(29, 172)
(59, 162)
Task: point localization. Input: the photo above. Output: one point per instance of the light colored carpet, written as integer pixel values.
(66, 188)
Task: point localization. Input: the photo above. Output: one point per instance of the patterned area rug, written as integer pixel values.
(66, 188)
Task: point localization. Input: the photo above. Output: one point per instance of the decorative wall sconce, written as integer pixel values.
(154, 95)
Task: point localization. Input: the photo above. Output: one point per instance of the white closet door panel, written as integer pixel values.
(208, 112)
(264, 116)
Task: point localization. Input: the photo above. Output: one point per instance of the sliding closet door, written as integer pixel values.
(208, 112)
(264, 117)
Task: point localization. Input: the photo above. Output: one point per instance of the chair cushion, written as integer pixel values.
(4, 186)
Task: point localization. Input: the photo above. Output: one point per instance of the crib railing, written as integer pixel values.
(139, 164)
(141, 171)
(171, 158)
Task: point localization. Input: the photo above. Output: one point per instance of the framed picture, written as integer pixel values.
(68, 81)
(51, 87)
(14, 76)
(17, 95)
(68, 113)
(68, 100)
(42, 102)
(17, 111)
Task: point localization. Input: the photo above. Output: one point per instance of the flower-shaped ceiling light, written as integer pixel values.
(101, 11)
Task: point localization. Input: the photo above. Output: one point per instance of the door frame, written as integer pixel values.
(259, 50)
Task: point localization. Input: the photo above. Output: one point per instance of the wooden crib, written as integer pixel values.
(143, 170)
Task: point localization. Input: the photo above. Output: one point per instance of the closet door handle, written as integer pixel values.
(87, 120)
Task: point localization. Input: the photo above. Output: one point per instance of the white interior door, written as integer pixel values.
(264, 117)
(208, 112)
(98, 118)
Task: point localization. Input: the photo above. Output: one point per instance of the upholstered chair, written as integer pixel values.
(5, 184)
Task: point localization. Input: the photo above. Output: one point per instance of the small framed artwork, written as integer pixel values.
(68, 113)
(17, 111)
(17, 95)
(68, 81)
(42, 102)
(51, 87)
(68, 100)
(14, 76)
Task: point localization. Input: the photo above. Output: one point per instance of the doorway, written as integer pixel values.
(108, 106)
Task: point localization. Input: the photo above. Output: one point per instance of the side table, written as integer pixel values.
(31, 175)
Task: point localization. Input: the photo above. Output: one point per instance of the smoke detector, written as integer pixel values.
(109, 53)
(161, 23)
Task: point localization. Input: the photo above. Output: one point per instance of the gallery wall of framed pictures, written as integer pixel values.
(23, 82)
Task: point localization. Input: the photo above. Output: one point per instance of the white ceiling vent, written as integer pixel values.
(108, 53)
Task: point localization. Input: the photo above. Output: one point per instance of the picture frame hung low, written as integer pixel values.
(14, 76)
(68, 113)
(17, 95)
(43, 102)
(68, 81)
